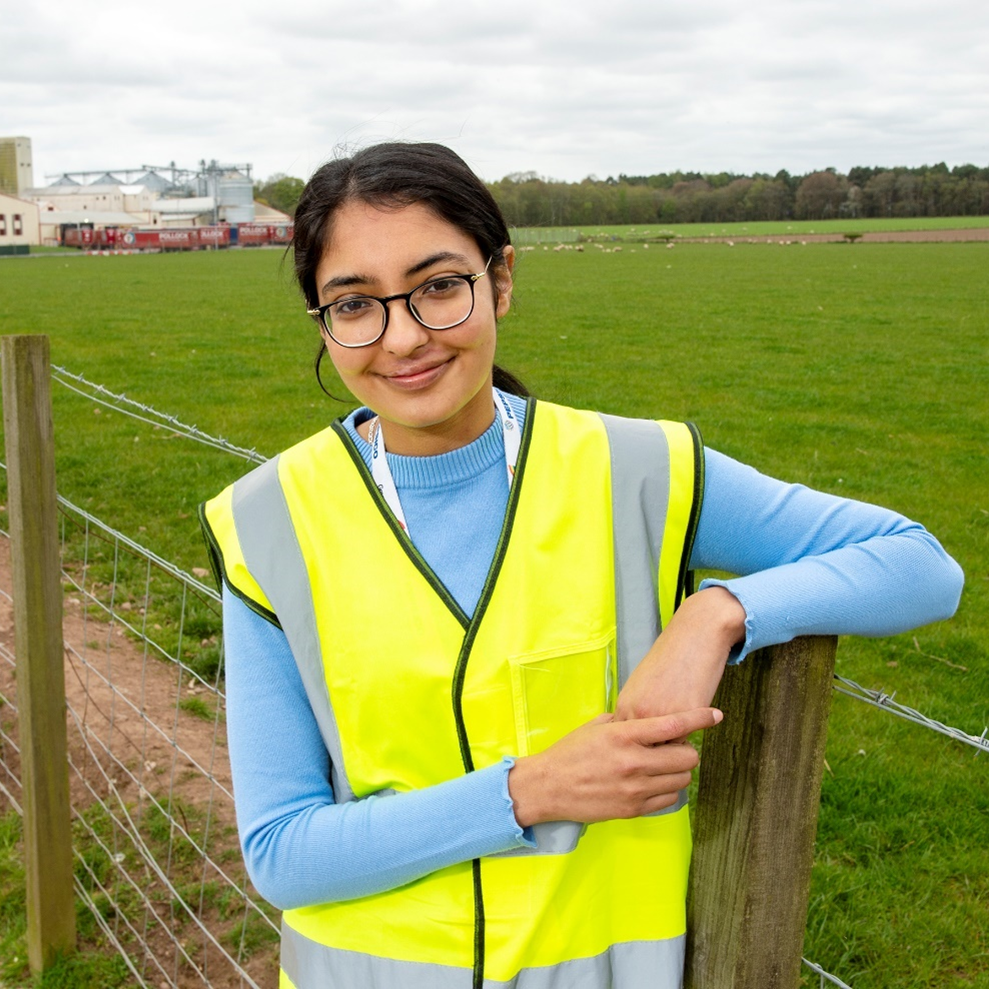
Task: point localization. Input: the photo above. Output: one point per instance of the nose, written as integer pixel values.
(403, 332)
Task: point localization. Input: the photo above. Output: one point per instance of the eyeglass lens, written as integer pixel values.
(438, 304)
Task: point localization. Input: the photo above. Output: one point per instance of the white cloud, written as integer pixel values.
(564, 89)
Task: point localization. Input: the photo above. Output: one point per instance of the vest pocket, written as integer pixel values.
(558, 690)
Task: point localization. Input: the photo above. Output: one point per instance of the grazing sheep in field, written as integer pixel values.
(669, 245)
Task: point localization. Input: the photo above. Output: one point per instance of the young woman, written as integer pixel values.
(461, 660)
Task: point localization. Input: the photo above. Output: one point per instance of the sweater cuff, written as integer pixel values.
(523, 836)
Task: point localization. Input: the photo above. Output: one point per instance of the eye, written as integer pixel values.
(440, 287)
(352, 308)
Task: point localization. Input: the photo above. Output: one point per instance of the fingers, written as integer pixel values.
(672, 727)
(609, 769)
(649, 789)
(660, 802)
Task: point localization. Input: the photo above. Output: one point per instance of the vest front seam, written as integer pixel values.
(403, 539)
(685, 580)
(460, 672)
(478, 979)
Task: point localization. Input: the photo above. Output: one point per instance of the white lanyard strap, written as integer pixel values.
(381, 472)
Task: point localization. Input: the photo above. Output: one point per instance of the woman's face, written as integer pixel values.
(431, 388)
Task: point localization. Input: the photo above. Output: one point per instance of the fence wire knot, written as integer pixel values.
(886, 702)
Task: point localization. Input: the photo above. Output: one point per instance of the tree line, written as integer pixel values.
(529, 200)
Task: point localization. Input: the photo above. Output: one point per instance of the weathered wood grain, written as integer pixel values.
(37, 592)
(756, 819)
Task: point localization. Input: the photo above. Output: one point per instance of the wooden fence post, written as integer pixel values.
(756, 819)
(31, 500)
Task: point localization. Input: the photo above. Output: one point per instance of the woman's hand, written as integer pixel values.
(684, 667)
(608, 769)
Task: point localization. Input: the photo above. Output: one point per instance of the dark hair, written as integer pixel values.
(394, 175)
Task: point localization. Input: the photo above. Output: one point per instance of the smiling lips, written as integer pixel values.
(418, 376)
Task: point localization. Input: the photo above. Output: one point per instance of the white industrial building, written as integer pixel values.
(19, 224)
(145, 197)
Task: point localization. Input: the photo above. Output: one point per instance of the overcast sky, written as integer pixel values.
(565, 89)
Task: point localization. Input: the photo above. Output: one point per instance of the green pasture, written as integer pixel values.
(860, 370)
(760, 228)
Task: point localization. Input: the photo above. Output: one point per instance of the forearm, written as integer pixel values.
(319, 853)
(813, 563)
(300, 847)
(879, 587)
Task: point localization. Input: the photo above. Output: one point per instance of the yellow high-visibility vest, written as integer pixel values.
(409, 691)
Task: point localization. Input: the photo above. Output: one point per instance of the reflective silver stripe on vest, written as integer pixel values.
(274, 557)
(640, 498)
(631, 965)
(640, 492)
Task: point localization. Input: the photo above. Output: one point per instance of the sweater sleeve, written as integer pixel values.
(811, 563)
(300, 847)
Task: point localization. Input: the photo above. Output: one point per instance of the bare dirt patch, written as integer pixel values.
(139, 743)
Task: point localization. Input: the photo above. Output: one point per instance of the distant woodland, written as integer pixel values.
(692, 197)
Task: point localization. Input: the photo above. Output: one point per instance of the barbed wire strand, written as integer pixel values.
(825, 976)
(884, 701)
(121, 403)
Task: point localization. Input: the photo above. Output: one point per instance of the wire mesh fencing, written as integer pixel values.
(157, 859)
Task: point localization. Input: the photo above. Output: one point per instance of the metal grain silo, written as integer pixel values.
(235, 196)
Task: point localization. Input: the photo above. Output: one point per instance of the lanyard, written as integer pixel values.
(381, 472)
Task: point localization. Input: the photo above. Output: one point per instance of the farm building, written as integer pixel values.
(101, 197)
(152, 197)
(16, 170)
(214, 193)
(19, 226)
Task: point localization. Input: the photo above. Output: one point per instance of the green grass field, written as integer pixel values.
(860, 371)
(768, 228)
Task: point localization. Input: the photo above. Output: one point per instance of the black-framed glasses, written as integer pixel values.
(438, 304)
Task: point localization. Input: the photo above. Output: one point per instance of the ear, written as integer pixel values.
(503, 281)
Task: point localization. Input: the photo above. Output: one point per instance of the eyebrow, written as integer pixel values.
(341, 281)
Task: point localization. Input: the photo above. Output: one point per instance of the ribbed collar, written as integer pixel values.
(442, 469)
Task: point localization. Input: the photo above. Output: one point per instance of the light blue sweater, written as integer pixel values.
(814, 564)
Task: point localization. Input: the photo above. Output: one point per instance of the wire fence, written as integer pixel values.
(148, 414)
(157, 858)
